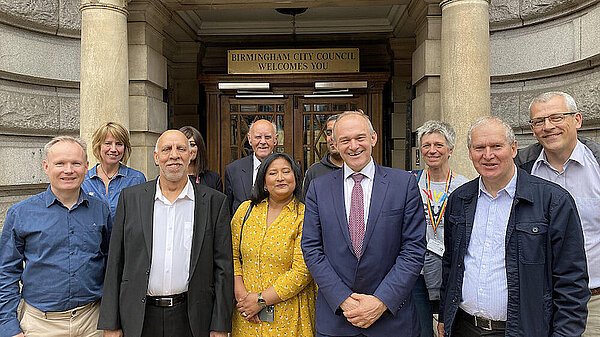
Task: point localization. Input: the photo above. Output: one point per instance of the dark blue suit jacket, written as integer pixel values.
(238, 181)
(392, 256)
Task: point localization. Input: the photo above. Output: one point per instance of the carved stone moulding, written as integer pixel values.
(27, 109)
(56, 17)
(508, 14)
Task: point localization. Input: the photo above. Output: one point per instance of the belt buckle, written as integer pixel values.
(165, 302)
(169, 301)
(488, 327)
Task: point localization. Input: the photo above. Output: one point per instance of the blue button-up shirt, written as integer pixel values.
(64, 253)
(126, 177)
(485, 287)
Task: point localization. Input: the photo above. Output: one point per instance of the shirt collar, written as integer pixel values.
(368, 171)
(510, 188)
(187, 192)
(255, 162)
(577, 155)
(50, 199)
(93, 172)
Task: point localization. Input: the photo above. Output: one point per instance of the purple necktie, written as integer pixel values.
(356, 222)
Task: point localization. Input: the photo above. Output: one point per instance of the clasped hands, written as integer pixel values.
(362, 310)
(247, 306)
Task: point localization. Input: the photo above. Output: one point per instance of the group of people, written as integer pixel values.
(351, 249)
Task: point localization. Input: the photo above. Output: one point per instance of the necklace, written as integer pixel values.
(106, 174)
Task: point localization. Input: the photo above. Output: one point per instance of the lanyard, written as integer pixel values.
(436, 221)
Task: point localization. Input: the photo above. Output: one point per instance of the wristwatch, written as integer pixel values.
(261, 301)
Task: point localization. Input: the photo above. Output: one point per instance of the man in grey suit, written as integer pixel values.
(169, 263)
(240, 175)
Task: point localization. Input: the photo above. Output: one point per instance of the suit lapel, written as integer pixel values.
(339, 205)
(147, 218)
(378, 194)
(246, 176)
(200, 218)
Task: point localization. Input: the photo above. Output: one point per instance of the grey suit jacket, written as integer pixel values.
(238, 181)
(210, 290)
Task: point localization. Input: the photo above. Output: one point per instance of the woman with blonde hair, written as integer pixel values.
(111, 147)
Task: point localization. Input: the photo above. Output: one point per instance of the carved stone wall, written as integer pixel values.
(39, 89)
(59, 17)
(544, 45)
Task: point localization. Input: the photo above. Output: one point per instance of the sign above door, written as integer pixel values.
(293, 61)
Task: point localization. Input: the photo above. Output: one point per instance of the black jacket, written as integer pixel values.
(210, 284)
(318, 169)
(526, 157)
(545, 259)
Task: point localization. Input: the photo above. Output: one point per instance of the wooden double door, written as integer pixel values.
(301, 124)
(299, 115)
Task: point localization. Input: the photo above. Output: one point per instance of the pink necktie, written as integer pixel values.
(356, 221)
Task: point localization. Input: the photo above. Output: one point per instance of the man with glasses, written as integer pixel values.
(573, 163)
(330, 162)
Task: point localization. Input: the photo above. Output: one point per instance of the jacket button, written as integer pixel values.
(535, 229)
(459, 265)
(144, 300)
(454, 300)
(147, 271)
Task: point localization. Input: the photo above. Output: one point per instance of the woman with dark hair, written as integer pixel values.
(274, 291)
(197, 169)
(111, 147)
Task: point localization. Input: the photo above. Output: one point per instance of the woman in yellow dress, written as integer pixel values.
(270, 274)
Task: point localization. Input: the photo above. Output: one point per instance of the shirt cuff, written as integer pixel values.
(10, 328)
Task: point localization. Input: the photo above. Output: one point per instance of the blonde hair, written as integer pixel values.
(116, 130)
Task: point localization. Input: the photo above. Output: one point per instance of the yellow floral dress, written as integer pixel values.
(272, 257)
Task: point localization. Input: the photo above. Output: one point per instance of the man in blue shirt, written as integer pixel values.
(514, 262)
(56, 244)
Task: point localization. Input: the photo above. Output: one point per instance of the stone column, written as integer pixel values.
(465, 72)
(104, 86)
(147, 80)
(426, 61)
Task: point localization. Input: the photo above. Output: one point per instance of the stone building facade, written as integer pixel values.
(68, 65)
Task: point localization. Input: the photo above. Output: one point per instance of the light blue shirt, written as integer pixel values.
(93, 184)
(581, 177)
(64, 251)
(367, 186)
(485, 289)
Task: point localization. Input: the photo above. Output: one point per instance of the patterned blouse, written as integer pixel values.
(272, 257)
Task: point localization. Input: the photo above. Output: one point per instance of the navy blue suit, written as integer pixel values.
(391, 259)
(238, 181)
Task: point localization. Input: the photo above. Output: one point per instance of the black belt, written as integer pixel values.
(483, 323)
(167, 300)
(595, 291)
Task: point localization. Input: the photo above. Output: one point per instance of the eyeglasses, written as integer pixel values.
(328, 132)
(555, 119)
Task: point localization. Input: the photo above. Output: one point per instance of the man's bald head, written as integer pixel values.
(262, 136)
(172, 155)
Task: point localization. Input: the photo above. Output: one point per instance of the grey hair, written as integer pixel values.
(440, 127)
(272, 123)
(59, 139)
(332, 118)
(358, 112)
(545, 97)
(508, 130)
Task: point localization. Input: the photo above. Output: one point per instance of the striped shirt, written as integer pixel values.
(485, 289)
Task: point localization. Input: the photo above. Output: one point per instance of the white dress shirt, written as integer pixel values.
(485, 289)
(255, 166)
(581, 177)
(367, 186)
(172, 233)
